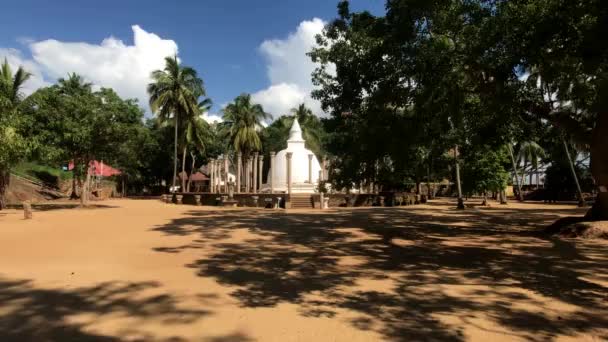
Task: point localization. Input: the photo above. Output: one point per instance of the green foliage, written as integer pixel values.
(432, 75)
(51, 176)
(242, 120)
(13, 147)
(484, 170)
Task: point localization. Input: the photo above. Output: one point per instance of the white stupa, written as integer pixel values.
(300, 182)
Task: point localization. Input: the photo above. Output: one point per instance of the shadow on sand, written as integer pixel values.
(495, 257)
(28, 313)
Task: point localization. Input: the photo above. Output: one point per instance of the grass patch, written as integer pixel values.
(47, 175)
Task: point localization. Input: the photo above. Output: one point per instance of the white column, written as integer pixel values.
(239, 161)
(226, 169)
(212, 175)
(248, 176)
(261, 170)
(288, 158)
(310, 168)
(255, 172)
(271, 173)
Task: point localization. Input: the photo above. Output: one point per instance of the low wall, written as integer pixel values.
(387, 199)
(243, 200)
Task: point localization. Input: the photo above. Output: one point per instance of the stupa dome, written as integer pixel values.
(300, 159)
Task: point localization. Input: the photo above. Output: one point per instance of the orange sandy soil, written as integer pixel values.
(141, 270)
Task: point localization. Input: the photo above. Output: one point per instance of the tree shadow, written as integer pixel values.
(28, 313)
(428, 263)
(61, 206)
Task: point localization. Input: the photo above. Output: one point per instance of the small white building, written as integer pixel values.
(305, 167)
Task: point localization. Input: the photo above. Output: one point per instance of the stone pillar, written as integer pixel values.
(239, 161)
(226, 169)
(270, 174)
(247, 175)
(218, 176)
(310, 168)
(255, 172)
(288, 158)
(288, 197)
(323, 166)
(211, 176)
(261, 170)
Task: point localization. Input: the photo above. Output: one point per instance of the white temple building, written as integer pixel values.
(305, 167)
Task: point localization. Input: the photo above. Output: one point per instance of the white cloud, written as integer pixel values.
(112, 63)
(279, 99)
(15, 60)
(289, 70)
(212, 117)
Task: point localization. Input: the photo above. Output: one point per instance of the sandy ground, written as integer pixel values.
(141, 270)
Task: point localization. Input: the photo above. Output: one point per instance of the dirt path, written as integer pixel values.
(147, 271)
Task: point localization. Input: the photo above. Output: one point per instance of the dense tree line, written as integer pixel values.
(477, 78)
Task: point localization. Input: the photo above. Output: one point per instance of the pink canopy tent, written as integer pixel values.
(98, 168)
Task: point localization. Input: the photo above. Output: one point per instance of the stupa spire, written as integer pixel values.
(295, 133)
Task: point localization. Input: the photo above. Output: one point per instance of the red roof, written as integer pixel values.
(197, 177)
(97, 168)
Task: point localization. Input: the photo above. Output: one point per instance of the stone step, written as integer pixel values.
(301, 202)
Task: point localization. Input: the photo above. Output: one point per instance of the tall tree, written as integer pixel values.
(80, 126)
(12, 145)
(174, 95)
(243, 119)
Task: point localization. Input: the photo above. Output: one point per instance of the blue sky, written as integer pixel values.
(236, 46)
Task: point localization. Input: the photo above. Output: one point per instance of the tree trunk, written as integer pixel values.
(485, 199)
(191, 172)
(184, 174)
(428, 182)
(74, 194)
(5, 178)
(519, 194)
(503, 197)
(599, 168)
(460, 201)
(581, 200)
(84, 196)
(175, 154)
(537, 177)
(531, 176)
(523, 174)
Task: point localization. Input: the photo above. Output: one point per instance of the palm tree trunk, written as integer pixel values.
(460, 201)
(599, 167)
(191, 172)
(175, 154)
(520, 194)
(5, 177)
(581, 200)
(184, 174)
(523, 174)
(537, 177)
(429, 191)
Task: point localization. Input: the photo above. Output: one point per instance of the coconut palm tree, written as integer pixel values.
(174, 95)
(242, 120)
(530, 153)
(11, 86)
(11, 95)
